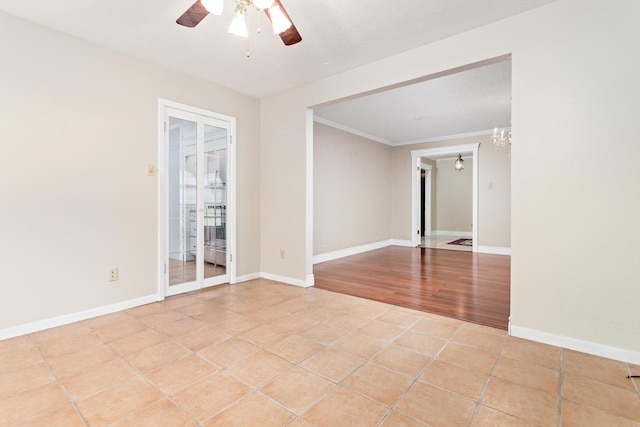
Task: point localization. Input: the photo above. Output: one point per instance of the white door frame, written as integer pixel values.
(427, 198)
(163, 175)
(435, 153)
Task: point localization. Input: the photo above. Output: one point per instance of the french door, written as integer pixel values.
(198, 236)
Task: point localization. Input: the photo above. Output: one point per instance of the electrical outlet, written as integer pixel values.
(151, 170)
(113, 274)
(281, 253)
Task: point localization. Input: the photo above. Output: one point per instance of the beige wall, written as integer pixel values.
(454, 196)
(351, 192)
(79, 125)
(574, 87)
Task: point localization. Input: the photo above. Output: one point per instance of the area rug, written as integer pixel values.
(462, 242)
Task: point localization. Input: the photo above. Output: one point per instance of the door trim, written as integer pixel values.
(162, 176)
(441, 152)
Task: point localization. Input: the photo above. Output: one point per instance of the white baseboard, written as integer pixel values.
(247, 277)
(589, 347)
(496, 250)
(288, 280)
(53, 322)
(341, 253)
(405, 243)
(452, 233)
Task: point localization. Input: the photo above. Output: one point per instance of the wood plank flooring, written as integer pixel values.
(464, 285)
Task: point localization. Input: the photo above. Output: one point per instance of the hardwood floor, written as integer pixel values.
(464, 285)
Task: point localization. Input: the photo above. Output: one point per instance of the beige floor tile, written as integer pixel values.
(269, 314)
(398, 318)
(468, 357)
(181, 374)
(159, 414)
(259, 368)
(181, 327)
(299, 422)
(238, 324)
(489, 417)
(17, 382)
(216, 316)
(347, 321)
(485, 329)
(82, 361)
(211, 395)
(295, 323)
(332, 364)
(482, 340)
(68, 345)
(381, 330)
(532, 352)
(397, 420)
(342, 407)
(363, 308)
(522, 402)
(297, 389)
(378, 383)
(66, 417)
(228, 352)
(120, 329)
(359, 345)
(119, 401)
(161, 318)
(178, 301)
(456, 379)
(611, 399)
(33, 404)
(137, 342)
(157, 356)
(96, 380)
(105, 320)
(19, 360)
(596, 368)
(576, 415)
(253, 410)
(402, 360)
(15, 345)
(427, 344)
(295, 348)
(433, 327)
(60, 333)
(202, 338)
(200, 307)
(528, 375)
(435, 407)
(264, 335)
(324, 334)
(146, 310)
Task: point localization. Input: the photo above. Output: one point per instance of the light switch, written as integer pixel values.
(151, 170)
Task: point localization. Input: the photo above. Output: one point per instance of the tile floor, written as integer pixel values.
(267, 354)
(441, 242)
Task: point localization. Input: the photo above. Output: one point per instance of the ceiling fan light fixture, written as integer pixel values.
(214, 7)
(263, 4)
(239, 24)
(279, 21)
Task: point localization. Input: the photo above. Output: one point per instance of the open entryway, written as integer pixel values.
(197, 199)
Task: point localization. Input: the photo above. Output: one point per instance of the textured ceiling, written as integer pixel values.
(337, 34)
(468, 102)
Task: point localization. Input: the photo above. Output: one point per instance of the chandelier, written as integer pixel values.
(501, 140)
(279, 20)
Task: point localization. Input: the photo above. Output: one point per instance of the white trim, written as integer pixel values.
(496, 250)
(404, 243)
(287, 280)
(351, 130)
(65, 319)
(341, 253)
(447, 137)
(589, 347)
(453, 233)
(309, 199)
(439, 152)
(311, 280)
(247, 277)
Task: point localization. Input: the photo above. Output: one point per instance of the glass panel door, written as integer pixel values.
(196, 211)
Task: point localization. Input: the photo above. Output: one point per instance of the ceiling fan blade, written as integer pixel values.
(192, 17)
(290, 36)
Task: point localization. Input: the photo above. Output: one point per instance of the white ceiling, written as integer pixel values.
(337, 35)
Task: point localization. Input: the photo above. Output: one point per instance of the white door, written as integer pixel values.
(198, 236)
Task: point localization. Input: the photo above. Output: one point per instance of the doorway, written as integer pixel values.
(197, 199)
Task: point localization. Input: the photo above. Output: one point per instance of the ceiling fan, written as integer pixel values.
(274, 10)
